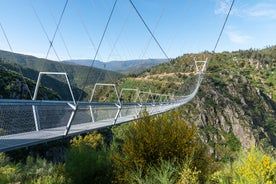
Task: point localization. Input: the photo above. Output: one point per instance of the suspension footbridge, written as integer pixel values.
(29, 122)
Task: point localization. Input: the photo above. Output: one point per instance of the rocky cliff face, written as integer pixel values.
(232, 112)
(236, 104)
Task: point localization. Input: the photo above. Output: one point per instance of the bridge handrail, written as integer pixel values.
(8, 102)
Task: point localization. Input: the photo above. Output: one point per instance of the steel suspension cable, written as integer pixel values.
(6, 37)
(48, 38)
(118, 37)
(98, 48)
(150, 39)
(221, 31)
(223, 26)
(152, 32)
(149, 30)
(86, 30)
(62, 39)
(65, 45)
(114, 46)
(19, 67)
(89, 38)
(45, 32)
(155, 28)
(59, 22)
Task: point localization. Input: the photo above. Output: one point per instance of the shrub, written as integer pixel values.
(51, 174)
(94, 140)
(37, 171)
(88, 160)
(8, 171)
(188, 175)
(166, 137)
(165, 172)
(250, 167)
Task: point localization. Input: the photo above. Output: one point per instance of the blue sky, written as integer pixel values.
(181, 26)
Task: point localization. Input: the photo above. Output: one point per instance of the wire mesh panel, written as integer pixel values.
(83, 115)
(53, 116)
(153, 109)
(103, 112)
(16, 119)
(130, 101)
(111, 101)
(130, 110)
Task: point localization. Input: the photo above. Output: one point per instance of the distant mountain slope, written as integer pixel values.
(78, 75)
(59, 87)
(85, 62)
(128, 66)
(13, 86)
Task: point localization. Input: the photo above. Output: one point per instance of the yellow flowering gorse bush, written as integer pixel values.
(188, 176)
(93, 140)
(255, 167)
(252, 166)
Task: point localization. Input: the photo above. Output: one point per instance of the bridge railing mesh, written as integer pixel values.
(16, 119)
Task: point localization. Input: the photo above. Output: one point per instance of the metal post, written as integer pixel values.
(90, 107)
(37, 86)
(117, 114)
(92, 114)
(36, 118)
(68, 126)
(35, 112)
(70, 89)
(203, 66)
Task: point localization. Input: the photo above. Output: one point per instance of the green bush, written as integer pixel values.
(88, 161)
(40, 170)
(37, 171)
(165, 172)
(188, 175)
(8, 171)
(162, 137)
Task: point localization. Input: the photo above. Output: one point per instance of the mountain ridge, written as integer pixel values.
(127, 66)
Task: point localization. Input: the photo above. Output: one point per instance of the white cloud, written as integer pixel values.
(222, 6)
(237, 37)
(265, 10)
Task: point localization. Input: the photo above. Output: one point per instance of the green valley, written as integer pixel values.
(229, 127)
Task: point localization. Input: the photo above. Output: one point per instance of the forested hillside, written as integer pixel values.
(236, 104)
(78, 75)
(14, 86)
